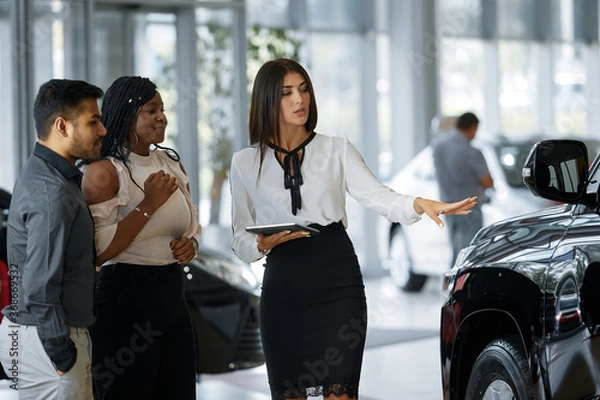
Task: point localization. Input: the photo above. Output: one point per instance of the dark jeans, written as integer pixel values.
(142, 340)
(462, 228)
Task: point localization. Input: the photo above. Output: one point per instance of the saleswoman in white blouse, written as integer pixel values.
(313, 309)
(146, 229)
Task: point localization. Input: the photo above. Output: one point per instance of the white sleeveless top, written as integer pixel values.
(175, 219)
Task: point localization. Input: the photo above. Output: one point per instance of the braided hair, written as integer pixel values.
(120, 106)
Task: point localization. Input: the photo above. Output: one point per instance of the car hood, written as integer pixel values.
(511, 203)
(518, 243)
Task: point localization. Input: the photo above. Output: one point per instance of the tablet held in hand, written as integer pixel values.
(275, 228)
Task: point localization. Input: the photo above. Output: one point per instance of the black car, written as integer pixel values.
(222, 294)
(522, 316)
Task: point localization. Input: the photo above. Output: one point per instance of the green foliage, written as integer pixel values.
(266, 44)
(215, 44)
(216, 73)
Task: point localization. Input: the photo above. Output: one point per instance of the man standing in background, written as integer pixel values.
(44, 343)
(461, 172)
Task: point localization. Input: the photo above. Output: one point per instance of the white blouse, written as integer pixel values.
(175, 219)
(331, 167)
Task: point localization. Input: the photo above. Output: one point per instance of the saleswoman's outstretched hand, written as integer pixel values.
(435, 208)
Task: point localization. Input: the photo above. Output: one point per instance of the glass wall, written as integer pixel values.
(525, 66)
(48, 37)
(535, 56)
(9, 166)
(569, 86)
(139, 43)
(518, 88)
(338, 89)
(384, 107)
(463, 76)
(33, 50)
(216, 110)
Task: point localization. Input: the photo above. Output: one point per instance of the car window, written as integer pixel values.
(593, 148)
(594, 180)
(421, 166)
(512, 159)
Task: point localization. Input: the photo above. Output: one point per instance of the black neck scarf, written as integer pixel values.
(292, 160)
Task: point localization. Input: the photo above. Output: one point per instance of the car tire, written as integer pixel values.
(400, 263)
(500, 372)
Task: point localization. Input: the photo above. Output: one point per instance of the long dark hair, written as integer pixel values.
(120, 106)
(263, 122)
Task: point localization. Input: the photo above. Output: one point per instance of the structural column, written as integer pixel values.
(22, 21)
(415, 53)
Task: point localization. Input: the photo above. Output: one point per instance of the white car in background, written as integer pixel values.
(413, 253)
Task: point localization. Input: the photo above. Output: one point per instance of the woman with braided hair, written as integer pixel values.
(146, 229)
(312, 307)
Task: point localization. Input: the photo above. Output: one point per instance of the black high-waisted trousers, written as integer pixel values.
(142, 340)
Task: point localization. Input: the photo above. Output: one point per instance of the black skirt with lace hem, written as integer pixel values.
(313, 316)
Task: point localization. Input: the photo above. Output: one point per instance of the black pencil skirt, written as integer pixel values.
(313, 316)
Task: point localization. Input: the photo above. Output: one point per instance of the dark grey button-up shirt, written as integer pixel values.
(459, 167)
(50, 240)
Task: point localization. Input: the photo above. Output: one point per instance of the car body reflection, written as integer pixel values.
(406, 250)
(523, 311)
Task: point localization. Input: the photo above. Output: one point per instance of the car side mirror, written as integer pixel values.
(557, 170)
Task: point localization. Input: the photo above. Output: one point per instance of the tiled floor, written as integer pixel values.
(406, 370)
(409, 370)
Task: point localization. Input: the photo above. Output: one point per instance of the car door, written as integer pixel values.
(571, 355)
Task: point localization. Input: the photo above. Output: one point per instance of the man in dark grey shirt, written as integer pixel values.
(461, 171)
(51, 250)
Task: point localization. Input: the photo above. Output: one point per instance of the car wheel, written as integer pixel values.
(400, 263)
(500, 372)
